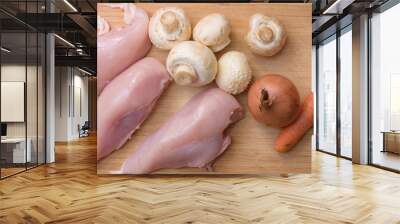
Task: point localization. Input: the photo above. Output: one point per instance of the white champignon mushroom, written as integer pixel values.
(192, 64)
(267, 36)
(168, 27)
(234, 72)
(213, 31)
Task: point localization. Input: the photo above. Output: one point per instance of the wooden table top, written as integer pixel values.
(251, 150)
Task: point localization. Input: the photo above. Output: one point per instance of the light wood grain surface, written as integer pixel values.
(251, 150)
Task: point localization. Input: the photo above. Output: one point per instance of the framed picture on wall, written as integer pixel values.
(12, 101)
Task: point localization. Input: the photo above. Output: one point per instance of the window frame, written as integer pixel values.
(334, 37)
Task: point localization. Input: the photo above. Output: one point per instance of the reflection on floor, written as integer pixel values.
(69, 191)
(13, 169)
(10, 171)
(387, 159)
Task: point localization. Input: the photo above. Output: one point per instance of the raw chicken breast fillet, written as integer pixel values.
(120, 47)
(127, 101)
(193, 137)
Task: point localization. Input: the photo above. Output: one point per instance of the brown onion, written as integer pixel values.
(274, 100)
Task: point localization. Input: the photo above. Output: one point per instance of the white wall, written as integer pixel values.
(62, 81)
(80, 83)
(50, 95)
(33, 127)
(12, 100)
(69, 81)
(12, 73)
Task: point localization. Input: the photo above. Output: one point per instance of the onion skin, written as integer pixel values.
(274, 101)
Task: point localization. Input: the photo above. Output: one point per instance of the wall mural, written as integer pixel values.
(195, 88)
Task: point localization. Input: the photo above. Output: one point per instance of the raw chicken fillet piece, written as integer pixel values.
(127, 101)
(192, 137)
(118, 48)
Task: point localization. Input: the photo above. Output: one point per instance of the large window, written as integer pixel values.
(385, 89)
(346, 92)
(327, 96)
(334, 101)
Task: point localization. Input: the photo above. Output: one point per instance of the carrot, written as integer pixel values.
(294, 132)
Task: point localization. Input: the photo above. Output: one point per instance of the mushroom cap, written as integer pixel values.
(234, 72)
(192, 63)
(267, 35)
(169, 26)
(213, 31)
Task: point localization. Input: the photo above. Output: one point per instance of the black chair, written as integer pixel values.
(84, 130)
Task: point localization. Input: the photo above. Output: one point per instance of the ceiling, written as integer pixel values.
(75, 22)
(329, 16)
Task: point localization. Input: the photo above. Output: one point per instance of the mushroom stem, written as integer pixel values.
(184, 74)
(265, 34)
(265, 100)
(169, 21)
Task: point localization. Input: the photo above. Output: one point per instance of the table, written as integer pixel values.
(18, 151)
(391, 144)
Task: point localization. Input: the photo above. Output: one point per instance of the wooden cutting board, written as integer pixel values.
(251, 151)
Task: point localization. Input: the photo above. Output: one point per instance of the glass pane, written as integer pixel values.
(386, 89)
(31, 88)
(31, 100)
(327, 96)
(41, 99)
(13, 87)
(22, 89)
(346, 94)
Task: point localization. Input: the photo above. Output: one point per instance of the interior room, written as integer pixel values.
(25, 66)
(50, 170)
(334, 82)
